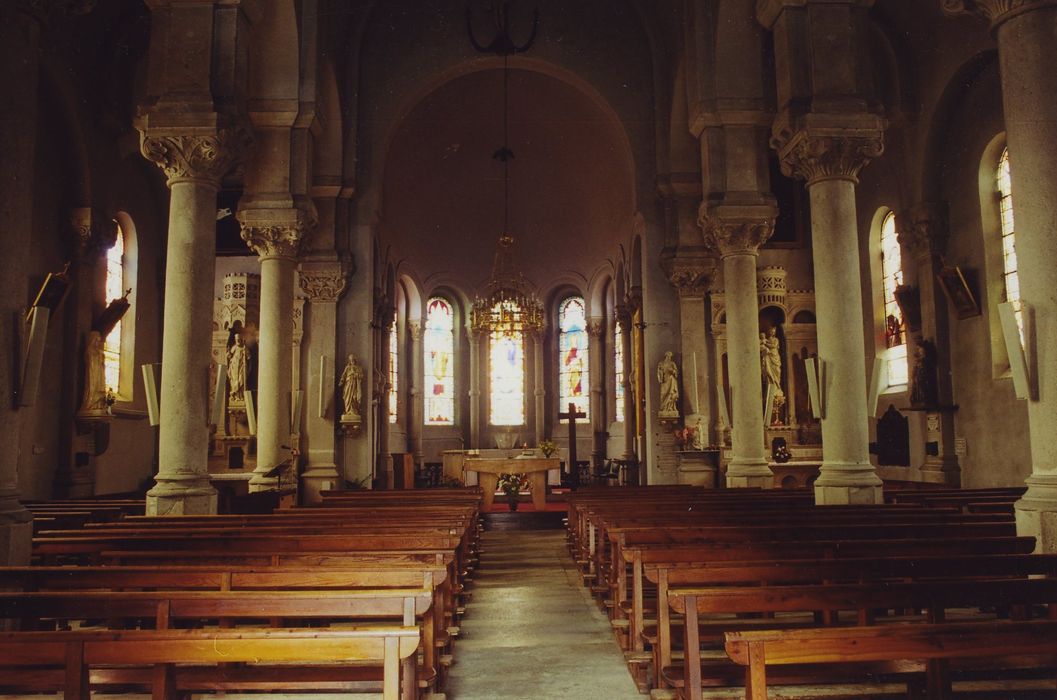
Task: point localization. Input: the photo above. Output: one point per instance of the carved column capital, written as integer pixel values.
(205, 156)
(825, 154)
(596, 327)
(623, 316)
(276, 233)
(323, 282)
(923, 229)
(414, 329)
(690, 275)
(737, 230)
(995, 12)
(93, 232)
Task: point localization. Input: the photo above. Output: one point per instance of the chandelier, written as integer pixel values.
(508, 304)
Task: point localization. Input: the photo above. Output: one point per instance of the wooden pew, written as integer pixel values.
(801, 571)
(1010, 640)
(77, 655)
(166, 608)
(936, 597)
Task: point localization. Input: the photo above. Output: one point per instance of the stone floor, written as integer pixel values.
(531, 630)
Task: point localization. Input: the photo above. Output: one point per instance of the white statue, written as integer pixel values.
(668, 378)
(237, 361)
(771, 359)
(94, 400)
(351, 390)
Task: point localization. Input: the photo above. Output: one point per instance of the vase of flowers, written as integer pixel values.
(511, 485)
(548, 448)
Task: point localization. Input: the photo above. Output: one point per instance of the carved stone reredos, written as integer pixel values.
(240, 302)
(205, 155)
(923, 229)
(771, 286)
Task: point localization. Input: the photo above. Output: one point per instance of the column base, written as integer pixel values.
(317, 479)
(1036, 513)
(743, 474)
(16, 533)
(259, 482)
(841, 483)
(937, 470)
(172, 499)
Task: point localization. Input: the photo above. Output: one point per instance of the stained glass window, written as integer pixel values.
(439, 348)
(618, 370)
(573, 379)
(892, 277)
(506, 373)
(114, 289)
(1009, 251)
(394, 372)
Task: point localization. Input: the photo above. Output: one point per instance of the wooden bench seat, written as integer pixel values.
(176, 658)
(935, 597)
(1012, 640)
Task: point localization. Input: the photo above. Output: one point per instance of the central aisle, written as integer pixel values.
(531, 630)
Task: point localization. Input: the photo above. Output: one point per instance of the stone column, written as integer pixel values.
(194, 160)
(830, 161)
(738, 233)
(276, 236)
(623, 314)
(323, 283)
(923, 233)
(416, 397)
(1026, 32)
(596, 328)
(19, 74)
(475, 388)
(539, 391)
(691, 277)
(384, 315)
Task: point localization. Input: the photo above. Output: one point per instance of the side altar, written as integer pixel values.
(534, 468)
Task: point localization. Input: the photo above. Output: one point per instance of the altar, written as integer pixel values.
(534, 468)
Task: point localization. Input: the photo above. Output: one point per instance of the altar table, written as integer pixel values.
(534, 468)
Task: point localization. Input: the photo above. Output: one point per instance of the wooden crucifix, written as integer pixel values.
(574, 468)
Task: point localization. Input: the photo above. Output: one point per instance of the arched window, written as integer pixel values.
(892, 277)
(618, 370)
(439, 349)
(114, 289)
(394, 371)
(506, 374)
(574, 383)
(1004, 184)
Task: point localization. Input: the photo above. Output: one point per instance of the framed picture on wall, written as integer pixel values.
(958, 292)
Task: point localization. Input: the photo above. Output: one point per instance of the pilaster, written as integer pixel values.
(416, 396)
(596, 331)
(323, 283)
(923, 233)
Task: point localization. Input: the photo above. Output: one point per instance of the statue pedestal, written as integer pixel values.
(697, 467)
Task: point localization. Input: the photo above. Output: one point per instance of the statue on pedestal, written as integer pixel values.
(94, 400)
(771, 363)
(924, 390)
(668, 378)
(351, 390)
(237, 361)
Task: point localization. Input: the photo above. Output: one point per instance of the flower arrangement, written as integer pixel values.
(548, 448)
(684, 437)
(511, 485)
